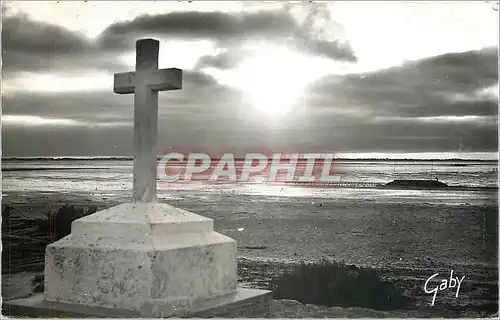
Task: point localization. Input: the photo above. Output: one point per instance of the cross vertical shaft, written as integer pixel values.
(145, 123)
(145, 83)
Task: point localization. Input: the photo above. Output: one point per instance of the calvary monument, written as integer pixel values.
(144, 258)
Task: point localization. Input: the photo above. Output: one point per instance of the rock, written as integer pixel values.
(425, 184)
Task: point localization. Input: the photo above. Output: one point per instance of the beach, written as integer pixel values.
(408, 235)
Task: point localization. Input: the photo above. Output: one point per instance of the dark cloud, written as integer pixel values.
(38, 46)
(214, 124)
(202, 123)
(23, 34)
(35, 46)
(212, 25)
(66, 141)
(80, 106)
(194, 79)
(225, 60)
(200, 93)
(400, 108)
(318, 33)
(227, 28)
(343, 114)
(340, 51)
(17, 61)
(454, 108)
(233, 55)
(425, 87)
(216, 134)
(465, 72)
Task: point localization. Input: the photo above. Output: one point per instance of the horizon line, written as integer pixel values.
(388, 158)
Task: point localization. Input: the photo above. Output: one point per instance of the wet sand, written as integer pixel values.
(408, 242)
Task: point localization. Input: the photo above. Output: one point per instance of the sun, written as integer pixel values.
(269, 83)
(273, 79)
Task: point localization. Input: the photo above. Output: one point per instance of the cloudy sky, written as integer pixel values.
(342, 76)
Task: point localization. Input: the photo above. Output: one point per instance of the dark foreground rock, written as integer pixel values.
(424, 184)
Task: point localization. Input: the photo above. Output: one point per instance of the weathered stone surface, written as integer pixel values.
(151, 258)
(242, 303)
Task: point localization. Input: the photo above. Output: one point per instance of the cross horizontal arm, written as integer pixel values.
(156, 80)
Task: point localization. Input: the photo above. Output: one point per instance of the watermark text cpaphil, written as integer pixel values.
(278, 167)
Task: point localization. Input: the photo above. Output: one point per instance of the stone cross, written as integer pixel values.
(145, 83)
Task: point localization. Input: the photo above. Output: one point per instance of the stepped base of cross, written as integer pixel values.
(143, 260)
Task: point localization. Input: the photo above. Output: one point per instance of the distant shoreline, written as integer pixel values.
(7, 159)
(50, 169)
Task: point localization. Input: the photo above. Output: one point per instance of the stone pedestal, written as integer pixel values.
(148, 260)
